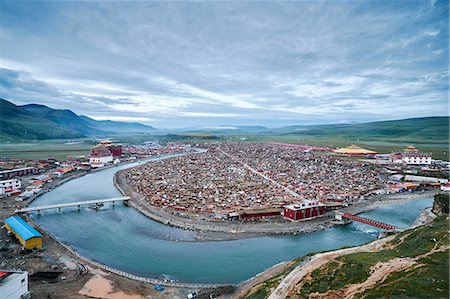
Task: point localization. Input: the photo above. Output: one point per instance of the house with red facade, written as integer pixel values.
(306, 209)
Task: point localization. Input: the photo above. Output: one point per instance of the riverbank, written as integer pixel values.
(246, 247)
(287, 275)
(58, 182)
(83, 277)
(209, 230)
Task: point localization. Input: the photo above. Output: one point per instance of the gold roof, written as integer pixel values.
(354, 149)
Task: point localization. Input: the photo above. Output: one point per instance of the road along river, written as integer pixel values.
(123, 238)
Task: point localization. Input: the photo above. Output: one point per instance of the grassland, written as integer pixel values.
(44, 149)
(427, 277)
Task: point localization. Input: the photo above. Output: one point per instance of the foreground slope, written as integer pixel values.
(410, 264)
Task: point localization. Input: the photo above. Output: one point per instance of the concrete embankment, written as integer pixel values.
(171, 283)
(235, 230)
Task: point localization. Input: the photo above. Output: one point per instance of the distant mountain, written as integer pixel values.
(18, 122)
(119, 126)
(431, 128)
(34, 121)
(85, 125)
(66, 119)
(228, 129)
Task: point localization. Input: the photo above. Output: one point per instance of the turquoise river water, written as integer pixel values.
(123, 238)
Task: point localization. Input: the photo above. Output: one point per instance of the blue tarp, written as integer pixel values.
(23, 229)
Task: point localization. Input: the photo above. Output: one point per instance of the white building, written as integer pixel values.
(96, 160)
(411, 156)
(14, 284)
(425, 179)
(445, 187)
(7, 186)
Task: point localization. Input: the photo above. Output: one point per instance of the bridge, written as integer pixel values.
(371, 222)
(78, 204)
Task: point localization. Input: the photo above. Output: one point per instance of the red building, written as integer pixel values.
(259, 213)
(304, 210)
(106, 148)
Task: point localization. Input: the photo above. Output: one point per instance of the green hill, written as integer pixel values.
(66, 119)
(18, 123)
(34, 121)
(425, 128)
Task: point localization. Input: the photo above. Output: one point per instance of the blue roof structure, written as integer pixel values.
(22, 228)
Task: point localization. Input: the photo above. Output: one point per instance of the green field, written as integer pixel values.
(43, 149)
(57, 149)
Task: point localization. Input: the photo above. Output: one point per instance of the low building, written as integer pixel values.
(424, 179)
(306, 209)
(11, 173)
(14, 284)
(27, 235)
(411, 156)
(96, 160)
(258, 213)
(445, 187)
(8, 187)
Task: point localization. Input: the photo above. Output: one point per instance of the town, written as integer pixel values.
(250, 181)
(23, 180)
(236, 182)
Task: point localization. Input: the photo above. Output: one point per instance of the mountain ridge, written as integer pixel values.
(36, 121)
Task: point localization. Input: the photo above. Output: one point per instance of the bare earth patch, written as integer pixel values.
(100, 287)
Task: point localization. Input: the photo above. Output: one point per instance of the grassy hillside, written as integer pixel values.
(65, 119)
(16, 122)
(413, 129)
(426, 276)
(68, 120)
(39, 122)
(118, 126)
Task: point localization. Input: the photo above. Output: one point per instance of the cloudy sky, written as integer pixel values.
(182, 64)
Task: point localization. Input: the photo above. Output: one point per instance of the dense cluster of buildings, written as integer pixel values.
(23, 179)
(239, 177)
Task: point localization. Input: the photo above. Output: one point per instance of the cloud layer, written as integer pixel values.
(176, 64)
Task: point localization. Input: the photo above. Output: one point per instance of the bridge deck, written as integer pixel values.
(71, 204)
(369, 221)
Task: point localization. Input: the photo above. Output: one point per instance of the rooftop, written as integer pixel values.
(22, 228)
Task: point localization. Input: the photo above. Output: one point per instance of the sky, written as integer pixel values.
(207, 63)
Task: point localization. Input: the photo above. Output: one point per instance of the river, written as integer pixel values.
(123, 238)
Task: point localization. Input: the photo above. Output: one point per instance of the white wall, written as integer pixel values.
(14, 286)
